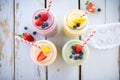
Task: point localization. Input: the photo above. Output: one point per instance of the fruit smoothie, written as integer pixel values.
(72, 55)
(46, 55)
(74, 25)
(44, 22)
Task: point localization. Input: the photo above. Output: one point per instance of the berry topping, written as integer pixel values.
(44, 16)
(75, 57)
(27, 36)
(81, 53)
(80, 57)
(90, 6)
(98, 9)
(46, 49)
(41, 56)
(78, 24)
(38, 22)
(73, 52)
(74, 27)
(34, 33)
(36, 17)
(70, 56)
(73, 47)
(78, 48)
(25, 28)
(39, 15)
(45, 25)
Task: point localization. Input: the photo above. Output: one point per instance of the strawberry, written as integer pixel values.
(44, 16)
(41, 56)
(78, 48)
(38, 22)
(27, 36)
(90, 6)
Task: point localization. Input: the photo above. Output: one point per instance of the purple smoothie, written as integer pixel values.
(48, 27)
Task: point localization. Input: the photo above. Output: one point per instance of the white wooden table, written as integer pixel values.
(15, 59)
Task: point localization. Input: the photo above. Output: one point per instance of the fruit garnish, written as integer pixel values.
(41, 56)
(71, 56)
(25, 28)
(98, 9)
(73, 52)
(38, 16)
(45, 25)
(38, 22)
(46, 49)
(78, 24)
(27, 36)
(78, 48)
(90, 6)
(75, 57)
(34, 33)
(71, 24)
(80, 56)
(79, 20)
(44, 16)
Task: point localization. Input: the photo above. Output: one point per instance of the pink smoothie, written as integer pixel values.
(50, 27)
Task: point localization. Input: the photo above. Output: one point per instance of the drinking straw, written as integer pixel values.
(30, 43)
(86, 41)
(49, 5)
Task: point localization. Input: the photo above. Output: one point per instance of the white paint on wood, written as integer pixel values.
(6, 40)
(102, 64)
(25, 68)
(61, 70)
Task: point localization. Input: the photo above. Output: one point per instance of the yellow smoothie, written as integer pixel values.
(74, 25)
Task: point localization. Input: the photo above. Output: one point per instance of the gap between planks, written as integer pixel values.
(45, 6)
(14, 40)
(80, 67)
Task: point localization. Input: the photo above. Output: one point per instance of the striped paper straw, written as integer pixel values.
(50, 3)
(93, 33)
(30, 43)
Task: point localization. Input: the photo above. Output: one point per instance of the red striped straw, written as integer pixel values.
(87, 12)
(84, 14)
(93, 33)
(50, 3)
(30, 43)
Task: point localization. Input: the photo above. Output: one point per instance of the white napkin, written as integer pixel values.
(107, 35)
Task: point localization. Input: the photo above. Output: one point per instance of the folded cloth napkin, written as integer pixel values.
(107, 35)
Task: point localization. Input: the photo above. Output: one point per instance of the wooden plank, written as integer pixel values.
(6, 40)
(61, 70)
(112, 15)
(25, 68)
(102, 64)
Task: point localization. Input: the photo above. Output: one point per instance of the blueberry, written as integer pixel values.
(73, 47)
(70, 56)
(75, 57)
(36, 17)
(81, 53)
(39, 15)
(73, 52)
(45, 25)
(74, 27)
(34, 33)
(25, 28)
(98, 9)
(80, 57)
(78, 24)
